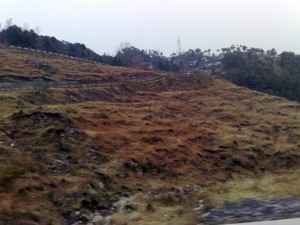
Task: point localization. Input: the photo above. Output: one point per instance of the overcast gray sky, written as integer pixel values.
(156, 24)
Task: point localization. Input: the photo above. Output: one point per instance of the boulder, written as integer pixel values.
(98, 220)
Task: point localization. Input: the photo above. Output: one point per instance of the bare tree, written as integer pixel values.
(0, 32)
(25, 27)
(8, 23)
(37, 30)
(123, 45)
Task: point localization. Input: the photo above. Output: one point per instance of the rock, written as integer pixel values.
(98, 220)
(38, 65)
(107, 220)
(101, 185)
(89, 213)
(176, 189)
(198, 208)
(74, 215)
(120, 204)
(135, 216)
(148, 117)
(78, 223)
(85, 217)
(140, 172)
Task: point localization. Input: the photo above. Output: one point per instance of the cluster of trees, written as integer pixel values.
(264, 71)
(29, 38)
(131, 56)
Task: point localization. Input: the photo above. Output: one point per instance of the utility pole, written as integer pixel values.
(0, 32)
(178, 46)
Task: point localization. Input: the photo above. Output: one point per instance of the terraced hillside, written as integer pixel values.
(136, 152)
(19, 66)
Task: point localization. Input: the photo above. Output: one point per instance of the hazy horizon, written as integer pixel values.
(157, 24)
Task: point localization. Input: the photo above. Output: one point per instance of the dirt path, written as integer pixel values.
(14, 86)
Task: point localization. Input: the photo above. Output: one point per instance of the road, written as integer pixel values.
(273, 222)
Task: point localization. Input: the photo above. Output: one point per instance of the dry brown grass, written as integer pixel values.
(179, 131)
(276, 185)
(166, 209)
(15, 67)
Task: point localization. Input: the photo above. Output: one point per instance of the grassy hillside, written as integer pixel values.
(164, 144)
(17, 66)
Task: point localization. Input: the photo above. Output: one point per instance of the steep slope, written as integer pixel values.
(163, 140)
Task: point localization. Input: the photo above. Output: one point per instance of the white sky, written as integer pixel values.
(156, 24)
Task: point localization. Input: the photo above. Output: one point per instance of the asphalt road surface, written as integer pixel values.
(273, 222)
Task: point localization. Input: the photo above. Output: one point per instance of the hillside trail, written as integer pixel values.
(15, 86)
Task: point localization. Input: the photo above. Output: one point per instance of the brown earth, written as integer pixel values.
(171, 141)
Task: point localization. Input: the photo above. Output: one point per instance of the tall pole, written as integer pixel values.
(179, 46)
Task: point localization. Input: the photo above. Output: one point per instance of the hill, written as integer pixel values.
(135, 146)
(254, 68)
(266, 71)
(16, 36)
